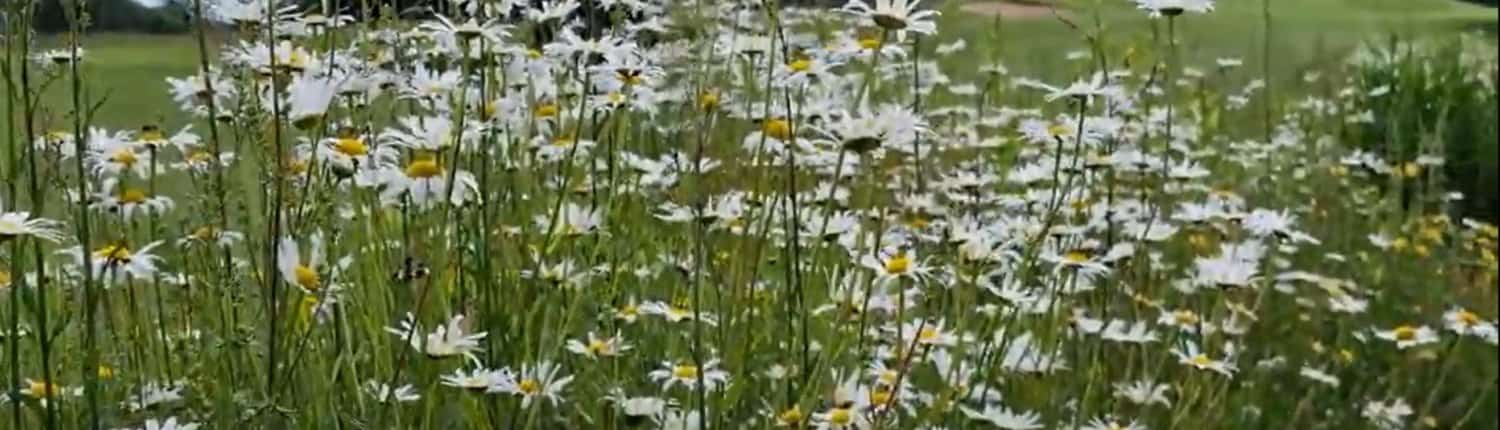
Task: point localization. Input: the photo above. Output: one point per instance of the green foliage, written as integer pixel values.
(114, 15)
(1446, 104)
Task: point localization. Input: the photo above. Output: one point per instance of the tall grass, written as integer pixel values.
(755, 217)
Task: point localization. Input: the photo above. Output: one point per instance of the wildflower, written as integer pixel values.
(540, 380)
(1003, 417)
(109, 155)
(1390, 415)
(303, 274)
(1463, 322)
(1319, 375)
(574, 220)
(791, 417)
(309, 100)
(862, 131)
(596, 347)
(840, 417)
(21, 224)
(1194, 357)
(1144, 392)
(925, 333)
(547, 10)
(478, 379)
(246, 13)
(466, 31)
(1225, 272)
(1406, 336)
(152, 394)
(899, 16)
(1078, 260)
(384, 394)
(348, 154)
(1109, 423)
(449, 340)
(628, 312)
(116, 262)
(637, 409)
(171, 423)
(129, 201)
(1172, 8)
(43, 390)
(1084, 91)
(425, 181)
(59, 57)
(687, 374)
(895, 264)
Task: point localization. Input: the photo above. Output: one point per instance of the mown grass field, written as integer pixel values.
(1309, 35)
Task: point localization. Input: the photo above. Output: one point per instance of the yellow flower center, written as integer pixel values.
(529, 386)
(306, 277)
(489, 110)
(630, 311)
(1076, 256)
(42, 389)
(297, 60)
(840, 416)
(629, 77)
(545, 110)
(106, 372)
(598, 347)
(928, 334)
(708, 100)
(351, 146)
(898, 264)
(4, 279)
(1185, 317)
(1411, 170)
(1201, 360)
(800, 65)
(1405, 333)
(206, 233)
(685, 371)
(778, 129)
(790, 416)
(132, 196)
(113, 253)
(423, 168)
(1468, 319)
(888, 377)
(152, 137)
(880, 397)
(533, 54)
(200, 156)
(869, 43)
(124, 157)
(1058, 129)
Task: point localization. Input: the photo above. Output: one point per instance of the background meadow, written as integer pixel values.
(1275, 214)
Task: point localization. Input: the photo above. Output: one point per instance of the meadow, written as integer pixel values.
(1152, 214)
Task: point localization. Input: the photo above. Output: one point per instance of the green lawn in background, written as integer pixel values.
(1306, 34)
(129, 69)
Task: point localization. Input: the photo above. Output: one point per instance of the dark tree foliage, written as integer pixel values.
(113, 15)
